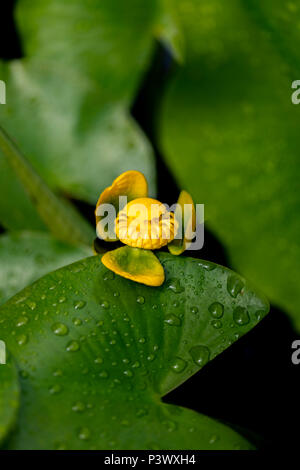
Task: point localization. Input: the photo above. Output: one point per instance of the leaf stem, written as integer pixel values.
(61, 217)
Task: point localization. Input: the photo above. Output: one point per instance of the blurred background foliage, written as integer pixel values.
(96, 88)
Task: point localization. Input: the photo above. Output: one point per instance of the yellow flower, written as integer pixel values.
(143, 224)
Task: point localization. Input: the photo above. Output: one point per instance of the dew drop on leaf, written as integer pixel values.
(31, 305)
(54, 389)
(21, 321)
(22, 339)
(79, 304)
(216, 324)
(178, 365)
(216, 310)
(73, 346)
(60, 329)
(175, 286)
(207, 265)
(103, 374)
(200, 355)
(98, 360)
(241, 316)
(84, 434)
(234, 285)
(172, 320)
(79, 407)
(128, 373)
(109, 276)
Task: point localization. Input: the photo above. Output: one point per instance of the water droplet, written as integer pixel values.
(22, 339)
(104, 304)
(22, 321)
(178, 365)
(31, 304)
(174, 285)
(108, 276)
(151, 357)
(172, 320)
(54, 389)
(103, 374)
(234, 285)
(140, 299)
(259, 314)
(78, 304)
(116, 294)
(73, 346)
(58, 373)
(241, 316)
(216, 324)
(62, 300)
(136, 365)
(79, 407)
(128, 373)
(207, 265)
(216, 310)
(98, 360)
(77, 321)
(194, 310)
(84, 434)
(200, 355)
(170, 425)
(60, 329)
(213, 439)
(142, 340)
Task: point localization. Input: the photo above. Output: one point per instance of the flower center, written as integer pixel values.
(145, 223)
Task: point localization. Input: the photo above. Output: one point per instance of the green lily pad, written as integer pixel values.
(97, 352)
(26, 256)
(9, 393)
(239, 150)
(68, 100)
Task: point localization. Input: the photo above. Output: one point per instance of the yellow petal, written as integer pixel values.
(131, 184)
(185, 215)
(136, 264)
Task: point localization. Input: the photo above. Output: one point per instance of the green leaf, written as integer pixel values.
(68, 100)
(239, 151)
(95, 365)
(279, 19)
(9, 396)
(26, 256)
(62, 219)
(168, 28)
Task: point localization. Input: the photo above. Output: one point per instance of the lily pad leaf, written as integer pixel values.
(240, 143)
(95, 365)
(68, 100)
(26, 256)
(9, 392)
